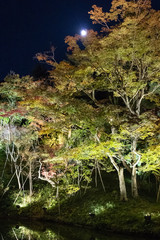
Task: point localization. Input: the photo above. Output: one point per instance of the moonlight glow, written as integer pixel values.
(83, 32)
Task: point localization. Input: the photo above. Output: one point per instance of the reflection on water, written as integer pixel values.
(43, 231)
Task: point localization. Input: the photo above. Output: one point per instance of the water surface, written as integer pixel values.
(50, 231)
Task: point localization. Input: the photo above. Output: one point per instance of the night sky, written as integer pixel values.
(31, 26)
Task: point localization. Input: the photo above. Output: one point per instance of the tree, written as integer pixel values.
(115, 74)
(18, 136)
(128, 56)
(125, 61)
(150, 157)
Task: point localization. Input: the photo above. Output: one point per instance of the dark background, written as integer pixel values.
(32, 26)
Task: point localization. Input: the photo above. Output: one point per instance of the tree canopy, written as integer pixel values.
(97, 111)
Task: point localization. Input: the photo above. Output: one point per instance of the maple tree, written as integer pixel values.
(128, 58)
(18, 137)
(123, 61)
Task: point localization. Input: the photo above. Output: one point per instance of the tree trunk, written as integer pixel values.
(18, 175)
(122, 186)
(30, 179)
(134, 188)
(158, 193)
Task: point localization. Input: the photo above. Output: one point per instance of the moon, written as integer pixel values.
(83, 32)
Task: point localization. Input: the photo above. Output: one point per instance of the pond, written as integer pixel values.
(50, 231)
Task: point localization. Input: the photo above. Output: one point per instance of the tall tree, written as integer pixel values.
(117, 75)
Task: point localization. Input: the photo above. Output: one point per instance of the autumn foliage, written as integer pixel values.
(98, 111)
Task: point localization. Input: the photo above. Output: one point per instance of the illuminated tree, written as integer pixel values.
(127, 62)
(101, 97)
(123, 61)
(18, 137)
(150, 157)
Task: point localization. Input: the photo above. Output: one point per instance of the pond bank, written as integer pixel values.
(97, 210)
